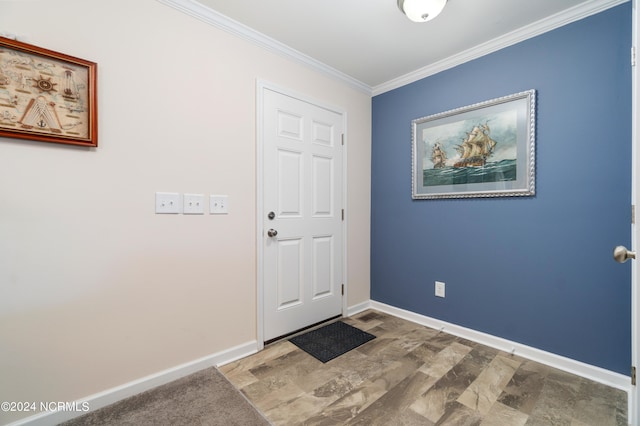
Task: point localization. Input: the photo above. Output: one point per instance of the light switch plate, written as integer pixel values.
(193, 204)
(218, 204)
(168, 203)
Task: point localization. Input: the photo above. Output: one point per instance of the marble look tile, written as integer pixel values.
(375, 345)
(442, 340)
(445, 360)
(596, 403)
(310, 375)
(387, 409)
(501, 415)
(351, 404)
(283, 364)
(459, 415)
(432, 404)
(241, 379)
(365, 325)
(369, 316)
(379, 382)
(387, 378)
(267, 394)
(359, 367)
(411, 340)
(413, 375)
(269, 353)
(523, 390)
(335, 388)
(404, 418)
(485, 390)
(423, 354)
(555, 405)
(300, 409)
(439, 399)
(394, 325)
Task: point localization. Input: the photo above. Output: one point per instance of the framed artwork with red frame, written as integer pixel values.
(47, 96)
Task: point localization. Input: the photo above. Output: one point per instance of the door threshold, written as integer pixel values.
(302, 330)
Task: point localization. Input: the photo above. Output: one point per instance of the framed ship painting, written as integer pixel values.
(482, 150)
(47, 96)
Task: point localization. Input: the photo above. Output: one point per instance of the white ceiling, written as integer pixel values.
(371, 43)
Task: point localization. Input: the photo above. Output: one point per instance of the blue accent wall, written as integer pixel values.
(535, 270)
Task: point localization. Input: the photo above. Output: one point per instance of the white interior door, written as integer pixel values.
(302, 217)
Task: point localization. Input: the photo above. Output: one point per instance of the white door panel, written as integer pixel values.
(290, 183)
(323, 267)
(302, 185)
(290, 277)
(322, 186)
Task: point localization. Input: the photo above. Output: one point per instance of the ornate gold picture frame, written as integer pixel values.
(47, 96)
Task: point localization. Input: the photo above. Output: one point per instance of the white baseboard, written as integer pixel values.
(135, 387)
(102, 399)
(591, 372)
(356, 309)
(597, 374)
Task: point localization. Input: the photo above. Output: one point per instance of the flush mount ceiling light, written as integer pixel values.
(421, 10)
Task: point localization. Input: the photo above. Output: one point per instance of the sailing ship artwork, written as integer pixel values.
(479, 149)
(46, 96)
(482, 150)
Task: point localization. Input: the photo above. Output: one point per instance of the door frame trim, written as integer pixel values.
(261, 86)
(634, 393)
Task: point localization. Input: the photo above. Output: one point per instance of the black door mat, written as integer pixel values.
(331, 341)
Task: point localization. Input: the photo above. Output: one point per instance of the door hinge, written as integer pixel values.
(342, 136)
(633, 375)
(343, 215)
(343, 289)
(633, 56)
(633, 214)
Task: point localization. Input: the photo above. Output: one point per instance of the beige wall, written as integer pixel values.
(95, 289)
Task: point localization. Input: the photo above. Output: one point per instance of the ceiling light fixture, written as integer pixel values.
(421, 10)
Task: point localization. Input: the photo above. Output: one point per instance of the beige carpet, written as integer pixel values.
(204, 398)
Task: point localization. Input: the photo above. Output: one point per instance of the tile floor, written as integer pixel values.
(414, 375)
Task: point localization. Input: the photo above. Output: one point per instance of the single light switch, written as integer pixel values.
(193, 204)
(168, 203)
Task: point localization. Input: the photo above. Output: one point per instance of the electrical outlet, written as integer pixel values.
(439, 289)
(218, 204)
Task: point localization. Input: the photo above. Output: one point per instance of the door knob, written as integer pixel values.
(621, 254)
(272, 232)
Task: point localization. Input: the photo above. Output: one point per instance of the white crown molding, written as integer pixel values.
(212, 17)
(209, 16)
(558, 20)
